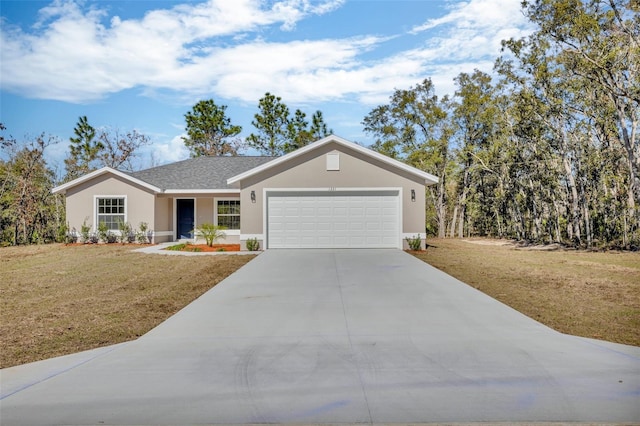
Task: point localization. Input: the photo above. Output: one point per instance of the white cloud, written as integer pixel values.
(478, 14)
(215, 48)
(474, 29)
(165, 152)
(72, 56)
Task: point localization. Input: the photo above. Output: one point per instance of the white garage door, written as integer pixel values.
(333, 220)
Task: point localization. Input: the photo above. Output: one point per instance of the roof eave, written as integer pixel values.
(62, 189)
(202, 191)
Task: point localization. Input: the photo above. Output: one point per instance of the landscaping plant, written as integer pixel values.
(211, 233)
(85, 232)
(126, 232)
(144, 235)
(415, 243)
(103, 231)
(253, 244)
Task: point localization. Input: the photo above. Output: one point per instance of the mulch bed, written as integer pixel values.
(216, 247)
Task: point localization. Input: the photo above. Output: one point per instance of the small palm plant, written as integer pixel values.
(211, 233)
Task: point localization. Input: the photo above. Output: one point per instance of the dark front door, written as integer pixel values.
(184, 218)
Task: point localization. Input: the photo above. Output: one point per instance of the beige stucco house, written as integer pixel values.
(332, 193)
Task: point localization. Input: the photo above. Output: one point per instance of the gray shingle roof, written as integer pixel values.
(199, 172)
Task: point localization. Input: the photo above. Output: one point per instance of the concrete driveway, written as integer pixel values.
(334, 336)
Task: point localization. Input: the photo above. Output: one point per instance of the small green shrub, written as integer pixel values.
(415, 243)
(144, 235)
(103, 231)
(211, 233)
(221, 249)
(85, 232)
(184, 247)
(253, 244)
(126, 232)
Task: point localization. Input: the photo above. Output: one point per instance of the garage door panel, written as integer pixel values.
(308, 227)
(307, 211)
(341, 226)
(388, 226)
(299, 220)
(356, 226)
(324, 227)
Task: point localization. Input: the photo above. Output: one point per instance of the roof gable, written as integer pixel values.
(429, 179)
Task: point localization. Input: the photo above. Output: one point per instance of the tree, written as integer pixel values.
(119, 148)
(83, 150)
(319, 128)
(272, 125)
(210, 132)
(413, 127)
(29, 212)
(474, 115)
(278, 133)
(578, 74)
(598, 42)
(298, 134)
(91, 149)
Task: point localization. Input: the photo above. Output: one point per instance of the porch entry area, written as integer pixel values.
(185, 218)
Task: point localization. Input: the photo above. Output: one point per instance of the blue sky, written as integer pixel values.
(143, 64)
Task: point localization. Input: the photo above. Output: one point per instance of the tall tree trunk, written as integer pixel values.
(441, 209)
(575, 202)
(452, 225)
(463, 198)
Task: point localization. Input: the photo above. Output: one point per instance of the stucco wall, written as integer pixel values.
(204, 210)
(80, 201)
(356, 171)
(204, 213)
(163, 220)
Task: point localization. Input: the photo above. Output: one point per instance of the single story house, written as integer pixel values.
(332, 193)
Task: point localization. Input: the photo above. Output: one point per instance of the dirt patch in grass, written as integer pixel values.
(582, 293)
(56, 300)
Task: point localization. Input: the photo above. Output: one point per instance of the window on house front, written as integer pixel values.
(111, 211)
(229, 213)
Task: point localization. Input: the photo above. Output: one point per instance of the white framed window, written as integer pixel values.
(111, 210)
(228, 213)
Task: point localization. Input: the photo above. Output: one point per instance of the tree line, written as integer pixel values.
(545, 150)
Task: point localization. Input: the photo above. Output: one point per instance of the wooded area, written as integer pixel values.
(547, 151)
(544, 150)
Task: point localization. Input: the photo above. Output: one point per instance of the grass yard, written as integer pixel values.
(587, 294)
(57, 299)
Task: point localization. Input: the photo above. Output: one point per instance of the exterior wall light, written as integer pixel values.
(253, 196)
(413, 195)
